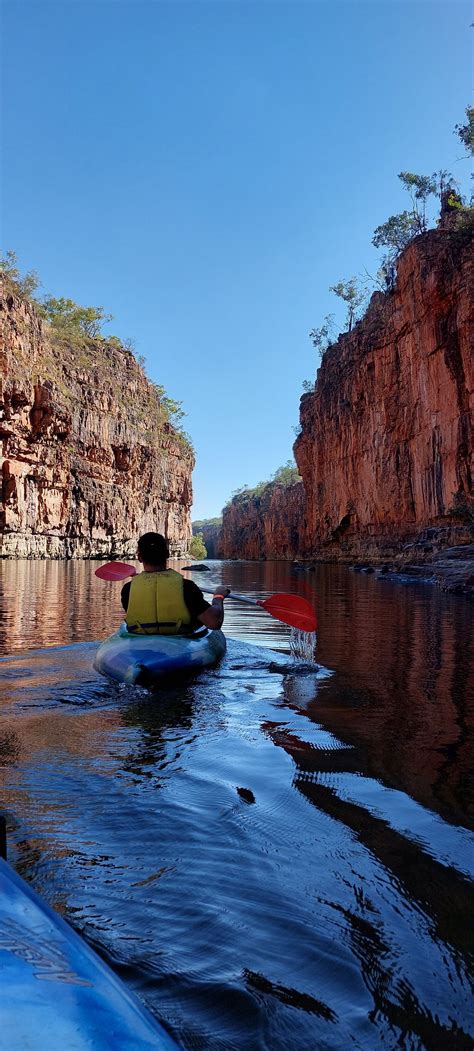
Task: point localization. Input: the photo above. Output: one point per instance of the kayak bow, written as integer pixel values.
(56, 992)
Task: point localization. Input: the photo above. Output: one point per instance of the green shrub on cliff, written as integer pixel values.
(323, 337)
(465, 132)
(353, 296)
(172, 410)
(197, 547)
(202, 522)
(285, 475)
(66, 316)
(14, 281)
(462, 507)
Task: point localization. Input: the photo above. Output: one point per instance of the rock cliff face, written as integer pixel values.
(385, 450)
(268, 526)
(88, 460)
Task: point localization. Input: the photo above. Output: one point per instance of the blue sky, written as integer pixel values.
(205, 171)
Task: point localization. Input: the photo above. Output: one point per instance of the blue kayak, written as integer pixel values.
(144, 660)
(55, 992)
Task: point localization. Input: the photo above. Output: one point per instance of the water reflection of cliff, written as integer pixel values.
(410, 728)
(47, 603)
(403, 658)
(404, 692)
(403, 688)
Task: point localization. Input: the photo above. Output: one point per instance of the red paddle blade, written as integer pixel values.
(291, 609)
(115, 571)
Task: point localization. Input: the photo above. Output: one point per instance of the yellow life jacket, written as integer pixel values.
(156, 604)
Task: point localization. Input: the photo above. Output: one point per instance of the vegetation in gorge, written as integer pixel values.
(200, 523)
(284, 476)
(78, 330)
(197, 547)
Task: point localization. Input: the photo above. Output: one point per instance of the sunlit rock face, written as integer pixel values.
(268, 526)
(385, 449)
(87, 459)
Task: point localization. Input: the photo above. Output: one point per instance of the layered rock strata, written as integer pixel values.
(88, 459)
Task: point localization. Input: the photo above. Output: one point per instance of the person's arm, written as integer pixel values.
(125, 595)
(213, 616)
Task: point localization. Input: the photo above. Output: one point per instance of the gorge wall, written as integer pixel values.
(272, 525)
(385, 449)
(88, 459)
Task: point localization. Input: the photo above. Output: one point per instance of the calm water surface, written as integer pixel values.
(272, 857)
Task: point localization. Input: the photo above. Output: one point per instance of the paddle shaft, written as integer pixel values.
(239, 598)
(290, 609)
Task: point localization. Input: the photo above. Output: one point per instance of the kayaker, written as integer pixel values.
(159, 601)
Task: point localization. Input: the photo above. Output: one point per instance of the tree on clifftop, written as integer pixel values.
(287, 475)
(66, 315)
(399, 230)
(465, 132)
(353, 297)
(420, 187)
(15, 281)
(322, 338)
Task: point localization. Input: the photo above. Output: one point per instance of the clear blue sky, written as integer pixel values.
(206, 170)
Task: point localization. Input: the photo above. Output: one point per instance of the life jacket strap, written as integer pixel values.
(144, 629)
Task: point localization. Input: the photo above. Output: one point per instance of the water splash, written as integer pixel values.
(303, 645)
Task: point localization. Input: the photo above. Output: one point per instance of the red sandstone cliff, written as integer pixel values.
(271, 525)
(87, 458)
(385, 450)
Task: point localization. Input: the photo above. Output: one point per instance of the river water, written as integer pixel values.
(272, 857)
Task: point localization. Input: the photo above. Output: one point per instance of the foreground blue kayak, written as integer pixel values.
(145, 659)
(55, 992)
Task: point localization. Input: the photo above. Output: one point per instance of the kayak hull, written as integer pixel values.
(148, 659)
(56, 992)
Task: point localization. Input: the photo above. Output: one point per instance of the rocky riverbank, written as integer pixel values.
(452, 570)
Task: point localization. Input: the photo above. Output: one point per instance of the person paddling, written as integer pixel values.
(159, 601)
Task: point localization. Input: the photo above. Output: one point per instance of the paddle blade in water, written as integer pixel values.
(303, 646)
(291, 609)
(115, 571)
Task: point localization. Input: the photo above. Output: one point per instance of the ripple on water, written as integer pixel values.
(253, 852)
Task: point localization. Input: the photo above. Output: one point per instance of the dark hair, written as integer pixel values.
(152, 547)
